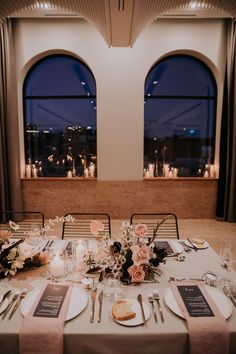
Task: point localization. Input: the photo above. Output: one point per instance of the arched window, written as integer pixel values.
(179, 120)
(60, 118)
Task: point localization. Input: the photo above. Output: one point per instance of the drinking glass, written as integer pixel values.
(35, 235)
(112, 287)
(226, 257)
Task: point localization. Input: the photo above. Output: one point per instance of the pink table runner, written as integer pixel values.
(42, 329)
(208, 332)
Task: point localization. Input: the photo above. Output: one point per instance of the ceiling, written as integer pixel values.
(119, 21)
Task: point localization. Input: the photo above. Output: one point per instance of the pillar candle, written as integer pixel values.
(28, 171)
(57, 266)
(81, 250)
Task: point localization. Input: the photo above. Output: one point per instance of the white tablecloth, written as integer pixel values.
(82, 337)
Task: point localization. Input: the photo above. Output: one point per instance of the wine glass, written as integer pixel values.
(226, 257)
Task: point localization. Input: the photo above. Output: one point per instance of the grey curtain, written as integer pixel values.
(226, 198)
(10, 182)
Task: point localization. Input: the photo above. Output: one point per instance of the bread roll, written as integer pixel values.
(198, 241)
(121, 310)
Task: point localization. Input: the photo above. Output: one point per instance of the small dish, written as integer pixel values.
(137, 320)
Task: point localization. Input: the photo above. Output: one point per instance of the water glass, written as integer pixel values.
(112, 287)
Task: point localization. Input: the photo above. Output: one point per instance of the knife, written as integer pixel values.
(7, 294)
(93, 297)
(46, 245)
(140, 300)
(100, 298)
(191, 243)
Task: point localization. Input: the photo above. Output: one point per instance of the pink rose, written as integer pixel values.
(141, 255)
(137, 274)
(140, 230)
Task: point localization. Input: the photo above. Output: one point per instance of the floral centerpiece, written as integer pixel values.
(21, 255)
(132, 258)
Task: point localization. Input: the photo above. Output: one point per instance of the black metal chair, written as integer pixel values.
(168, 224)
(80, 227)
(24, 219)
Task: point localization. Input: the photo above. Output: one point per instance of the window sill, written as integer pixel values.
(180, 179)
(59, 179)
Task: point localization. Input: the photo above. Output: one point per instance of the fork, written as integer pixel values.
(157, 298)
(151, 300)
(20, 298)
(15, 297)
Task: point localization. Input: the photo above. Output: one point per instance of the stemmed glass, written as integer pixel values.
(227, 260)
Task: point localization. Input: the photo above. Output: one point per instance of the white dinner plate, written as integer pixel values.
(138, 319)
(78, 302)
(222, 302)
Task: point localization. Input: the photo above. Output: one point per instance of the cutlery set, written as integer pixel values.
(14, 303)
(152, 298)
(100, 300)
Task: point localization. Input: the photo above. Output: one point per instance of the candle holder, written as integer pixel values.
(58, 267)
(79, 251)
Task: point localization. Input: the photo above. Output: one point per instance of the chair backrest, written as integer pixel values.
(80, 227)
(26, 220)
(168, 224)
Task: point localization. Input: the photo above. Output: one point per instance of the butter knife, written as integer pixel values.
(140, 300)
(193, 246)
(93, 297)
(100, 298)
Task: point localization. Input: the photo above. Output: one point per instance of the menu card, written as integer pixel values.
(51, 301)
(194, 301)
(164, 245)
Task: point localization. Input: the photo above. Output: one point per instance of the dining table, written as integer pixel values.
(168, 335)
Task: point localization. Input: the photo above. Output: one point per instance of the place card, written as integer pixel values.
(195, 301)
(164, 245)
(51, 301)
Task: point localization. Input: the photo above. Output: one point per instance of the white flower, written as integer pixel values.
(125, 224)
(12, 254)
(24, 251)
(13, 226)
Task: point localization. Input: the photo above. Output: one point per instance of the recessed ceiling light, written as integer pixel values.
(149, 94)
(193, 5)
(82, 83)
(155, 82)
(42, 5)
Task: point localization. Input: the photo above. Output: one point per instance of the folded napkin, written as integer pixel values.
(208, 329)
(42, 329)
